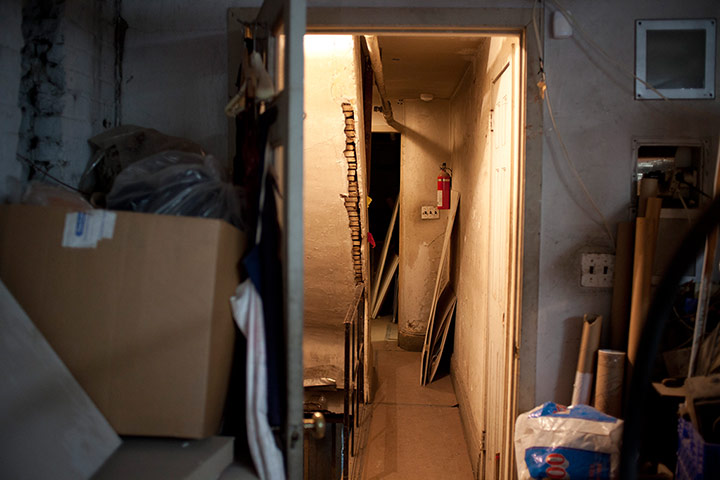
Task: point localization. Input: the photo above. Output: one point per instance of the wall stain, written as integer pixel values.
(42, 84)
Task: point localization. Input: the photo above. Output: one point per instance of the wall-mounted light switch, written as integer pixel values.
(597, 270)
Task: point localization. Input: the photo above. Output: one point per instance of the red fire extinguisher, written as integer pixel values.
(444, 183)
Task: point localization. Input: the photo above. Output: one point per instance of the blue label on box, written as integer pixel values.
(80, 225)
(567, 463)
(550, 409)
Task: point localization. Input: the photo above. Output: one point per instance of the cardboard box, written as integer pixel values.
(142, 320)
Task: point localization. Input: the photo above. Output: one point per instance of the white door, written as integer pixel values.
(502, 264)
(284, 21)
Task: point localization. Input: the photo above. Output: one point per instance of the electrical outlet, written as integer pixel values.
(429, 213)
(597, 270)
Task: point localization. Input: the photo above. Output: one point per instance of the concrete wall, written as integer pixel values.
(598, 118)
(58, 83)
(11, 42)
(175, 69)
(89, 63)
(424, 146)
(332, 77)
(470, 248)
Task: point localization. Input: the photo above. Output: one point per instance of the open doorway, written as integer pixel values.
(384, 190)
(456, 100)
(488, 430)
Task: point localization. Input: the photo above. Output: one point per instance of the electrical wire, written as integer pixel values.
(545, 95)
(588, 38)
(48, 174)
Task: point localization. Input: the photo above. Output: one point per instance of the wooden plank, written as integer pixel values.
(385, 285)
(424, 359)
(383, 255)
(648, 189)
(50, 427)
(441, 337)
(645, 239)
(705, 281)
(622, 286)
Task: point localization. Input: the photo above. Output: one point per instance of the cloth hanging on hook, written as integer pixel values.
(263, 265)
(254, 83)
(265, 270)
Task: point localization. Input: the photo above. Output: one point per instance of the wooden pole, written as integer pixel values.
(622, 286)
(645, 239)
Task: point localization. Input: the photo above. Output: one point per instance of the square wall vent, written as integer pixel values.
(676, 58)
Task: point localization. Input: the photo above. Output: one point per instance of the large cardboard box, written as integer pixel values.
(142, 320)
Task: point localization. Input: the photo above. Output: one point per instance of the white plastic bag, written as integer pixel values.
(577, 442)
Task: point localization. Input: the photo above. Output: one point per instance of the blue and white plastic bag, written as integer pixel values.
(576, 442)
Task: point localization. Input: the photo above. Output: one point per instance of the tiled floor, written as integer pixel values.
(415, 432)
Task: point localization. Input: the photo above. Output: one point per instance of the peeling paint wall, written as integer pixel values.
(425, 145)
(66, 92)
(11, 43)
(332, 77)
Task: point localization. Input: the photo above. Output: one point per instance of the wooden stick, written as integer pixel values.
(645, 239)
(385, 284)
(383, 255)
(622, 286)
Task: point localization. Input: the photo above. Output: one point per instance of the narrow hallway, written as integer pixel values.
(415, 432)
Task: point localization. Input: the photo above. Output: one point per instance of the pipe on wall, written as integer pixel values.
(374, 50)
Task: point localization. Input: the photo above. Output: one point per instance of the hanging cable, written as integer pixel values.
(544, 94)
(43, 171)
(588, 38)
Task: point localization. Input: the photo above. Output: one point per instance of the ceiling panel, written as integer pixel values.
(425, 64)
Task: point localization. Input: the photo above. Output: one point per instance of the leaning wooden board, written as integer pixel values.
(438, 344)
(425, 357)
(383, 257)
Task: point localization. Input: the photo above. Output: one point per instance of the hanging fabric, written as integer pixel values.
(248, 313)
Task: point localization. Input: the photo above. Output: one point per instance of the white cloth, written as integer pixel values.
(248, 312)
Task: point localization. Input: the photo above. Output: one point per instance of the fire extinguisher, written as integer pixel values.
(444, 183)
